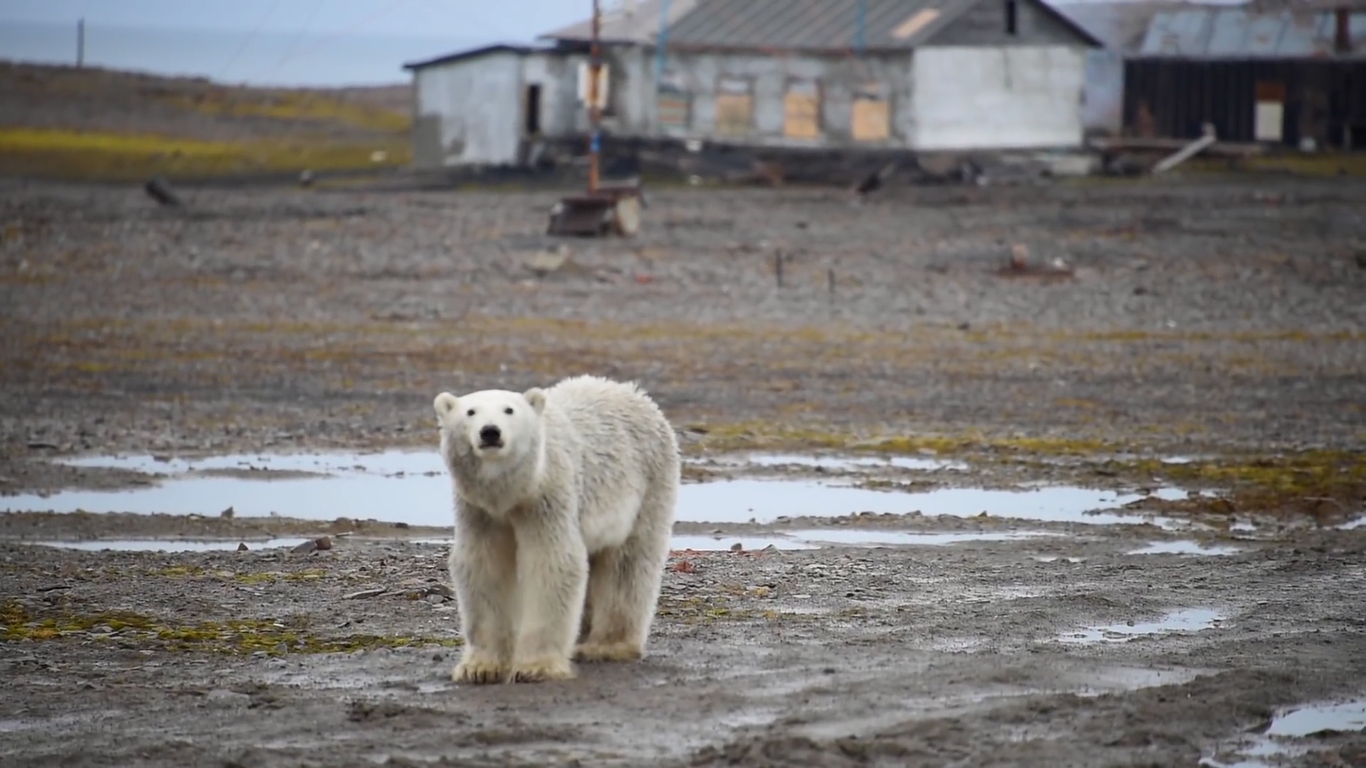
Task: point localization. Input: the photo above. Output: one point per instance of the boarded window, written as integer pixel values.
(672, 104)
(802, 110)
(871, 120)
(585, 79)
(734, 106)
(1270, 111)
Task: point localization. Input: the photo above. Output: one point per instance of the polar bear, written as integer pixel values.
(564, 505)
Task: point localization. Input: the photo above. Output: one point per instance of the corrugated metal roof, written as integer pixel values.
(471, 53)
(1237, 33)
(631, 23)
(1120, 25)
(820, 25)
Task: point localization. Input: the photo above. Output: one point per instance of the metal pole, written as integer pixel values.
(861, 24)
(80, 43)
(660, 41)
(594, 114)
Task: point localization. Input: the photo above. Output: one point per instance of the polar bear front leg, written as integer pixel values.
(483, 569)
(552, 575)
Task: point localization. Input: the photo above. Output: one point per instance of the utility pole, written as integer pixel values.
(80, 43)
(594, 114)
(661, 40)
(861, 23)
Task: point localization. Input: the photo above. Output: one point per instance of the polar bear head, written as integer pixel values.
(490, 426)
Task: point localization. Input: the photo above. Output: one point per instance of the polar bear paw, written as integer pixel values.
(542, 670)
(591, 652)
(479, 669)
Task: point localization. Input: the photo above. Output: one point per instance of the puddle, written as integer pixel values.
(875, 538)
(1281, 739)
(169, 545)
(844, 463)
(762, 501)
(817, 538)
(386, 463)
(1189, 620)
(748, 543)
(1348, 717)
(1182, 548)
(412, 487)
(1352, 525)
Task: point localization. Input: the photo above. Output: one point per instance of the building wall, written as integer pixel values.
(468, 112)
(1003, 98)
(1102, 108)
(700, 76)
(558, 77)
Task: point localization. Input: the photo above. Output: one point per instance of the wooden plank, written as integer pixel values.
(801, 110)
(871, 120)
(733, 113)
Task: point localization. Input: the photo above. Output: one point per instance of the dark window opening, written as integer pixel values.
(1011, 27)
(533, 110)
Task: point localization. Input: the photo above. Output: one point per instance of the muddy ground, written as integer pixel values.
(1219, 318)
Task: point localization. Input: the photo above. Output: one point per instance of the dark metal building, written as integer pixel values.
(1277, 76)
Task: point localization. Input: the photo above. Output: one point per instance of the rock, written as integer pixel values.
(225, 696)
(365, 594)
(313, 545)
(543, 263)
(227, 513)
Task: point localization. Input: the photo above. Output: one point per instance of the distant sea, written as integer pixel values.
(266, 58)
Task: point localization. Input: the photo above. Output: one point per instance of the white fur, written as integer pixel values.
(562, 532)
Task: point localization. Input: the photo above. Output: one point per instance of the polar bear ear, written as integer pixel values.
(536, 396)
(445, 403)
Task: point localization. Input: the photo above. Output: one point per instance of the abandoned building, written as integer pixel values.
(1293, 75)
(881, 74)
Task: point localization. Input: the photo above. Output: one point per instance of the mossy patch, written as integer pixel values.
(111, 156)
(756, 435)
(1327, 485)
(234, 636)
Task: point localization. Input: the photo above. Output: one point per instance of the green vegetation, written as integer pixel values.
(108, 156)
(234, 636)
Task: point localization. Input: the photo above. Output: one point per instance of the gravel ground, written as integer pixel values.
(1218, 318)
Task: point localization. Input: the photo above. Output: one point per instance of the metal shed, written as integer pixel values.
(1276, 76)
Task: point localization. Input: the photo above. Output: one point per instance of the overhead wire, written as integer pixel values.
(329, 38)
(247, 40)
(298, 37)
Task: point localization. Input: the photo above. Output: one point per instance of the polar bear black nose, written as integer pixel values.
(490, 435)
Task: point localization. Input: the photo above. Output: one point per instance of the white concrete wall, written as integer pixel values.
(477, 104)
(558, 77)
(997, 98)
(1103, 108)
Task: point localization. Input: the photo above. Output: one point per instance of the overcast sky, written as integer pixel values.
(498, 19)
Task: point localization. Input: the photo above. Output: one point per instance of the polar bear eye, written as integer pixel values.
(508, 411)
(470, 412)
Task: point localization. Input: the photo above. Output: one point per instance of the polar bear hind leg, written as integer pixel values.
(623, 586)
